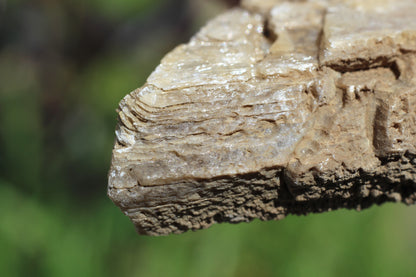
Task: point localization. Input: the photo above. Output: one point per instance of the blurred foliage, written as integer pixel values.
(64, 66)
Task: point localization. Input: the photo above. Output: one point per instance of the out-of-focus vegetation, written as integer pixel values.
(64, 66)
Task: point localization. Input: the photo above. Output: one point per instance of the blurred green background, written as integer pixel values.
(64, 66)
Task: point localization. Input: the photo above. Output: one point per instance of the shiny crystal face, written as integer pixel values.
(233, 101)
(217, 105)
(322, 86)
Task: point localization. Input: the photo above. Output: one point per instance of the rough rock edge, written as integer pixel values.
(267, 195)
(264, 195)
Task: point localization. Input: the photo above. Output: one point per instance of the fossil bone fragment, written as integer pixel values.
(271, 109)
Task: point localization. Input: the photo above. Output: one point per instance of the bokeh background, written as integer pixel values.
(64, 66)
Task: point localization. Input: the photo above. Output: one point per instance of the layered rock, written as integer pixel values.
(272, 109)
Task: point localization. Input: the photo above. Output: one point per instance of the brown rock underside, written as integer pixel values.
(272, 109)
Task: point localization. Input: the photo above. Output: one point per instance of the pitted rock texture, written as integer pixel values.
(274, 108)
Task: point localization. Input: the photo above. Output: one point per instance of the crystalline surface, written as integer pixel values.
(373, 37)
(278, 107)
(223, 51)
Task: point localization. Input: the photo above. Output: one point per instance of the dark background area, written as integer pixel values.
(64, 66)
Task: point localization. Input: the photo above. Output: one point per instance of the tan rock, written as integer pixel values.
(373, 37)
(275, 108)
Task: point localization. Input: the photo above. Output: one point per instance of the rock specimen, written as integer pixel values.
(272, 109)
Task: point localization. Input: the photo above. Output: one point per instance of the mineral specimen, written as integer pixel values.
(274, 108)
